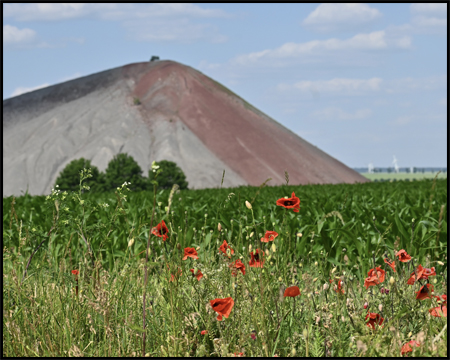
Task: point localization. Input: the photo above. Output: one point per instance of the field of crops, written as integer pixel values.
(82, 292)
(403, 176)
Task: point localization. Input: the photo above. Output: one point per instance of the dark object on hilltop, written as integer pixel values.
(154, 58)
(171, 174)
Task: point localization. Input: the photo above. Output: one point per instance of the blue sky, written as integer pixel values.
(363, 82)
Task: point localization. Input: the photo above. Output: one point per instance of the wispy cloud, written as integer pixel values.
(377, 40)
(23, 89)
(13, 36)
(429, 18)
(144, 22)
(339, 85)
(330, 17)
(335, 113)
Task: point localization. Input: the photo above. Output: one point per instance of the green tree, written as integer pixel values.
(69, 178)
(171, 174)
(124, 168)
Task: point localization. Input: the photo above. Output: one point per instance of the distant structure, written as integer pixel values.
(370, 168)
(411, 169)
(395, 164)
(154, 58)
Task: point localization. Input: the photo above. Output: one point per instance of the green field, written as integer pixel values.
(340, 233)
(404, 176)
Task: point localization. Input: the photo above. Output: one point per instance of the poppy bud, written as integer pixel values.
(249, 206)
(299, 234)
(219, 227)
(392, 280)
(305, 333)
(250, 248)
(316, 263)
(380, 307)
(178, 246)
(267, 252)
(334, 269)
(325, 286)
(131, 242)
(251, 234)
(293, 351)
(274, 248)
(440, 263)
(366, 305)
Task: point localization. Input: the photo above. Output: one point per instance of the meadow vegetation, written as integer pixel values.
(315, 270)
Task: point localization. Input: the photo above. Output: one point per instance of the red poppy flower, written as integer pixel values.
(161, 230)
(421, 273)
(291, 203)
(425, 292)
(224, 248)
(204, 332)
(237, 265)
(190, 252)
(374, 318)
(270, 236)
(439, 311)
(339, 288)
(408, 346)
(222, 307)
(442, 299)
(198, 274)
(390, 263)
(403, 256)
(256, 261)
(75, 272)
(292, 291)
(241, 354)
(376, 276)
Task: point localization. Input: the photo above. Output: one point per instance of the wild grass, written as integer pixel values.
(340, 233)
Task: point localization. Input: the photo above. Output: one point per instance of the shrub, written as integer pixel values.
(69, 178)
(124, 168)
(170, 175)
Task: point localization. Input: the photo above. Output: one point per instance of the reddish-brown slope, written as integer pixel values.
(253, 145)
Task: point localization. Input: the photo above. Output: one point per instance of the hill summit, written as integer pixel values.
(183, 116)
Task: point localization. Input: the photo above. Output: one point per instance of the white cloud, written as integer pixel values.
(403, 85)
(330, 17)
(429, 18)
(439, 9)
(111, 11)
(55, 11)
(15, 36)
(338, 85)
(144, 22)
(335, 113)
(377, 40)
(22, 90)
(402, 120)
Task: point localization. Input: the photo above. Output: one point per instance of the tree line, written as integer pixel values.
(120, 169)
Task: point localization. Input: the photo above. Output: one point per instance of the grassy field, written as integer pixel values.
(100, 275)
(404, 176)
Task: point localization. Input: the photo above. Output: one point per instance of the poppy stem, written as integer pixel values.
(146, 269)
(76, 287)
